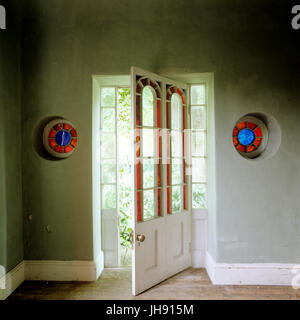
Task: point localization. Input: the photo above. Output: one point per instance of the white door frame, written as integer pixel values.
(199, 217)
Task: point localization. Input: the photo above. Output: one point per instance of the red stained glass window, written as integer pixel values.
(258, 132)
(67, 126)
(138, 175)
(169, 200)
(73, 133)
(257, 142)
(183, 144)
(235, 141)
(144, 82)
(183, 117)
(235, 132)
(183, 99)
(58, 127)
(159, 175)
(52, 143)
(68, 149)
(138, 151)
(74, 143)
(241, 148)
(137, 142)
(168, 174)
(157, 92)
(139, 207)
(138, 88)
(159, 202)
(179, 92)
(158, 113)
(152, 84)
(138, 111)
(241, 125)
(59, 149)
(251, 125)
(250, 148)
(52, 133)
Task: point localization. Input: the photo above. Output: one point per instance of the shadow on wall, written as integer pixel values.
(274, 135)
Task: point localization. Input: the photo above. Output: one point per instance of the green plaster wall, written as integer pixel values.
(250, 47)
(11, 227)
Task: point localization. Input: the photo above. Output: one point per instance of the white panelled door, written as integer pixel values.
(161, 180)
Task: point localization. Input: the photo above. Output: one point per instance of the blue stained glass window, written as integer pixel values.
(63, 138)
(246, 137)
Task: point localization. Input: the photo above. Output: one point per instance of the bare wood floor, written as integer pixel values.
(115, 284)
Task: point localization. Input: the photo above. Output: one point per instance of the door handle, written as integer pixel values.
(140, 238)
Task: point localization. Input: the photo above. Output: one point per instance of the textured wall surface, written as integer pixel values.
(11, 227)
(250, 47)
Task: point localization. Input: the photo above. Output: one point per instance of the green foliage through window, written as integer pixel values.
(199, 196)
(125, 192)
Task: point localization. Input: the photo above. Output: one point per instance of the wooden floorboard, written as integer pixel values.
(115, 284)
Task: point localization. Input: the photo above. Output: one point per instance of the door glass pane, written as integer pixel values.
(199, 170)
(124, 148)
(108, 171)
(159, 202)
(176, 173)
(198, 144)
(176, 199)
(124, 125)
(198, 118)
(198, 94)
(148, 150)
(108, 119)
(148, 204)
(125, 175)
(148, 100)
(176, 112)
(108, 197)
(108, 97)
(108, 146)
(148, 173)
(124, 194)
(199, 196)
(176, 143)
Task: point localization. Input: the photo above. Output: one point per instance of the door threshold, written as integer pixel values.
(118, 268)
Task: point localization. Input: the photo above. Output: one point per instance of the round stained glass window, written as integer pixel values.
(60, 138)
(250, 136)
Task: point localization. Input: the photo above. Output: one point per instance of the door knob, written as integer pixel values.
(140, 238)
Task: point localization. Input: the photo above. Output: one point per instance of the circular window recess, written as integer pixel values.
(257, 136)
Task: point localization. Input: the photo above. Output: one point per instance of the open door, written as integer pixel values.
(161, 180)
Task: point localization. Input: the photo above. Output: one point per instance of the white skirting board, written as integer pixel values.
(50, 271)
(11, 281)
(253, 273)
(61, 270)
